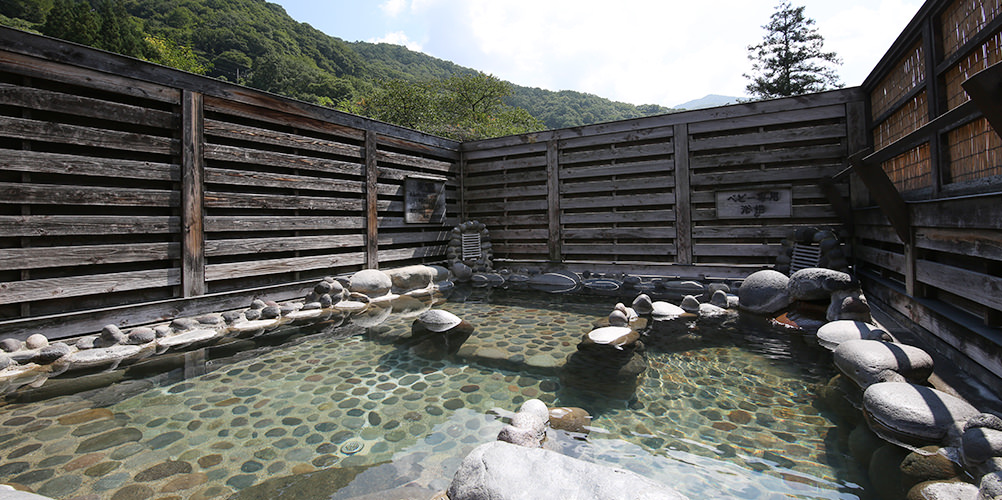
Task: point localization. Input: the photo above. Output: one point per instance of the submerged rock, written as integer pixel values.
(570, 418)
(502, 471)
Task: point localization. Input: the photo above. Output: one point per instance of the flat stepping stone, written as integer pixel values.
(254, 325)
(868, 362)
(351, 306)
(186, 338)
(832, 334)
(304, 314)
(915, 414)
(103, 356)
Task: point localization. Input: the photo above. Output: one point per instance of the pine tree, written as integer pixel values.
(790, 60)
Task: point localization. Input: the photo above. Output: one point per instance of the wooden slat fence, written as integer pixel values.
(940, 265)
(123, 183)
(643, 193)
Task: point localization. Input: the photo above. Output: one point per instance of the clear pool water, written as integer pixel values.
(726, 411)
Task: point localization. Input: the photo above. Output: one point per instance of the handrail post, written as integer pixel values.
(371, 202)
(683, 208)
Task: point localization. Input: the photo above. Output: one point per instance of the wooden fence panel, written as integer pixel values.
(125, 184)
(644, 191)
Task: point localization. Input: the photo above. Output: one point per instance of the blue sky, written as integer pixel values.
(638, 51)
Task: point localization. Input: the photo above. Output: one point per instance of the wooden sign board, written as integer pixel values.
(754, 204)
(424, 199)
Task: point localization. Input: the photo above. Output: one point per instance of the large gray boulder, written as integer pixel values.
(370, 282)
(915, 414)
(764, 292)
(835, 333)
(503, 471)
(982, 438)
(817, 283)
(868, 362)
(409, 278)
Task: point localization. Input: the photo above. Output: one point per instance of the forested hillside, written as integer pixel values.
(256, 43)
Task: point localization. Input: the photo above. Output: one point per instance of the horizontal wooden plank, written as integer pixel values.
(13, 292)
(83, 255)
(234, 154)
(769, 176)
(660, 167)
(982, 212)
(34, 67)
(614, 200)
(785, 155)
(790, 114)
(61, 133)
(47, 100)
(224, 176)
(979, 287)
(493, 220)
(772, 137)
(387, 238)
(798, 192)
(877, 233)
(504, 178)
(221, 223)
(216, 272)
(518, 234)
(880, 258)
(619, 217)
(505, 164)
(215, 199)
(57, 163)
(982, 244)
(474, 206)
(509, 249)
(482, 193)
(733, 232)
(78, 225)
(394, 254)
(445, 149)
(243, 246)
(523, 147)
(217, 128)
(429, 164)
(615, 152)
(244, 110)
(51, 194)
(645, 134)
(617, 186)
(736, 250)
(618, 249)
(607, 233)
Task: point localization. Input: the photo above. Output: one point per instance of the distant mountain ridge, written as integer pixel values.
(708, 101)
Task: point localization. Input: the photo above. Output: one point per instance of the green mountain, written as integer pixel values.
(256, 43)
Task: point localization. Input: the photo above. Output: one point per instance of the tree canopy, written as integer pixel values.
(790, 60)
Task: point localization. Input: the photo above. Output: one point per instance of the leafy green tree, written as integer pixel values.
(119, 32)
(463, 107)
(790, 60)
(33, 11)
(168, 53)
(73, 21)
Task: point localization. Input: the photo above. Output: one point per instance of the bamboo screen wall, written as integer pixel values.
(646, 192)
(945, 273)
(123, 183)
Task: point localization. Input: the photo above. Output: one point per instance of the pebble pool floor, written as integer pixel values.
(715, 416)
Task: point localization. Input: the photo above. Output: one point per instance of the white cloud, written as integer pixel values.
(393, 8)
(398, 38)
(638, 51)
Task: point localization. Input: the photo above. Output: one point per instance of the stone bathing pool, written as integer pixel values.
(726, 410)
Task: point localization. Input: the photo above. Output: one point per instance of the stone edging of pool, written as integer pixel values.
(890, 378)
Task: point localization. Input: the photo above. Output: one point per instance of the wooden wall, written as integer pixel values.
(125, 183)
(642, 194)
(929, 243)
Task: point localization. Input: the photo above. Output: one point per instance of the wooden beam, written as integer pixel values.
(192, 195)
(683, 210)
(553, 200)
(984, 87)
(371, 202)
(884, 193)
